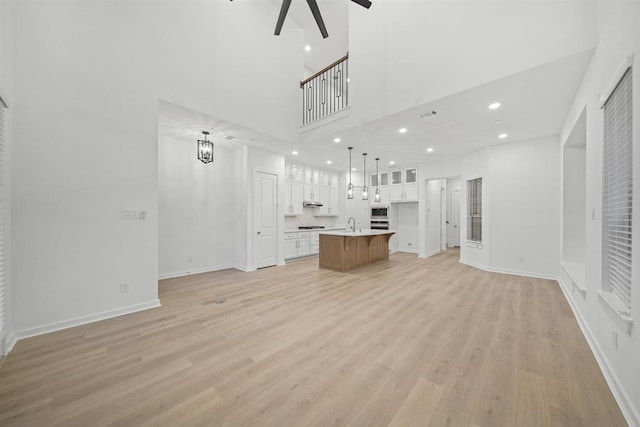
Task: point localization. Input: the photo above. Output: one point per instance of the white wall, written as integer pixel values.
(196, 209)
(453, 46)
(524, 215)
(574, 176)
(87, 85)
(618, 36)
(520, 206)
(476, 165)
(6, 92)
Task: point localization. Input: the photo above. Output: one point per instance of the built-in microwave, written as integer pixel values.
(379, 212)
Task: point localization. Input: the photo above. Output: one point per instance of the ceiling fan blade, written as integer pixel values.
(283, 14)
(363, 3)
(313, 5)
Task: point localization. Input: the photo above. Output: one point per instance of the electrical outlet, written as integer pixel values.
(615, 339)
(520, 260)
(189, 258)
(409, 244)
(124, 288)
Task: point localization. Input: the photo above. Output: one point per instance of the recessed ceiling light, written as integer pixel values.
(503, 136)
(307, 48)
(494, 106)
(328, 162)
(295, 153)
(336, 140)
(402, 130)
(353, 169)
(391, 162)
(430, 150)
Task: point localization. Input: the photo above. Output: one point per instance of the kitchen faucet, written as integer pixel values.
(354, 223)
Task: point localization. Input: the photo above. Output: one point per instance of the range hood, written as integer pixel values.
(311, 204)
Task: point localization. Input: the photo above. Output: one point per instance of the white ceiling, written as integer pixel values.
(335, 14)
(534, 104)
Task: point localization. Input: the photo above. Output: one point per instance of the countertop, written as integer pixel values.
(358, 233)
(295, 230)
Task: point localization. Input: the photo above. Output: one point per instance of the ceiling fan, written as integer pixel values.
(313, 5)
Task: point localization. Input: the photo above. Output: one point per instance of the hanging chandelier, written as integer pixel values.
(350, 186)
(205, 149)
(365, 190)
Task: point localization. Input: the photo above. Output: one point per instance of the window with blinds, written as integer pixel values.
(617, 191)
(474, 209)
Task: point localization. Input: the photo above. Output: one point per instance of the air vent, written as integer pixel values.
(427, 114)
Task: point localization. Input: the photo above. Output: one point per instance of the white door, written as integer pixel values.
(265, 204)
(455, 218)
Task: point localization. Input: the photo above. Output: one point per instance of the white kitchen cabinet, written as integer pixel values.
(311, 175)
(314, 243)
(293, 171)
(311, 192)
(334, 179)
(329, 199)
(384, 179)
(296, 244)
(293, 195)
(404, 185)
(290, 245)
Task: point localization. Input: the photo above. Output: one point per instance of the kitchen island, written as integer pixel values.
(346, 250)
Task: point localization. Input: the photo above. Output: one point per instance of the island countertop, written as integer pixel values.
(357, 233)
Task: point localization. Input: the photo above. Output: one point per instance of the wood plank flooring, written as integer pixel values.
(404, 342)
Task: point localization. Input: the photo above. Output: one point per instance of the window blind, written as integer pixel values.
(618, 191)
(474, 208)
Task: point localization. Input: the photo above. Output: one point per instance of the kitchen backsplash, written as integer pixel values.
(307, 218)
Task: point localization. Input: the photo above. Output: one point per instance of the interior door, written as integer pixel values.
(265, 204)
(455, 218)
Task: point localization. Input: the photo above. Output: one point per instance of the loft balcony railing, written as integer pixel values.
(326, 92)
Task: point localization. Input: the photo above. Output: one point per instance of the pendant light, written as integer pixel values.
(377, 196)
(365, 190)
(350, 186)
(205, 149)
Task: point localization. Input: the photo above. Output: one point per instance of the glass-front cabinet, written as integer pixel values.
(404, 185)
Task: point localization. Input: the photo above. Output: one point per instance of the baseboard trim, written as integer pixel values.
(508, 271)
(194, 271)
(10, 341)
(83, 320)
(243, 268)
(429, 254)
(630, 413)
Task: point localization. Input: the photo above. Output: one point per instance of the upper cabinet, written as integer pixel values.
(293, 172)
(311, 175)
(293, 195)
(309, 183)
(404, 185)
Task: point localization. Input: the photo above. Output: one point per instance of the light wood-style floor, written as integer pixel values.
(404, 342)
